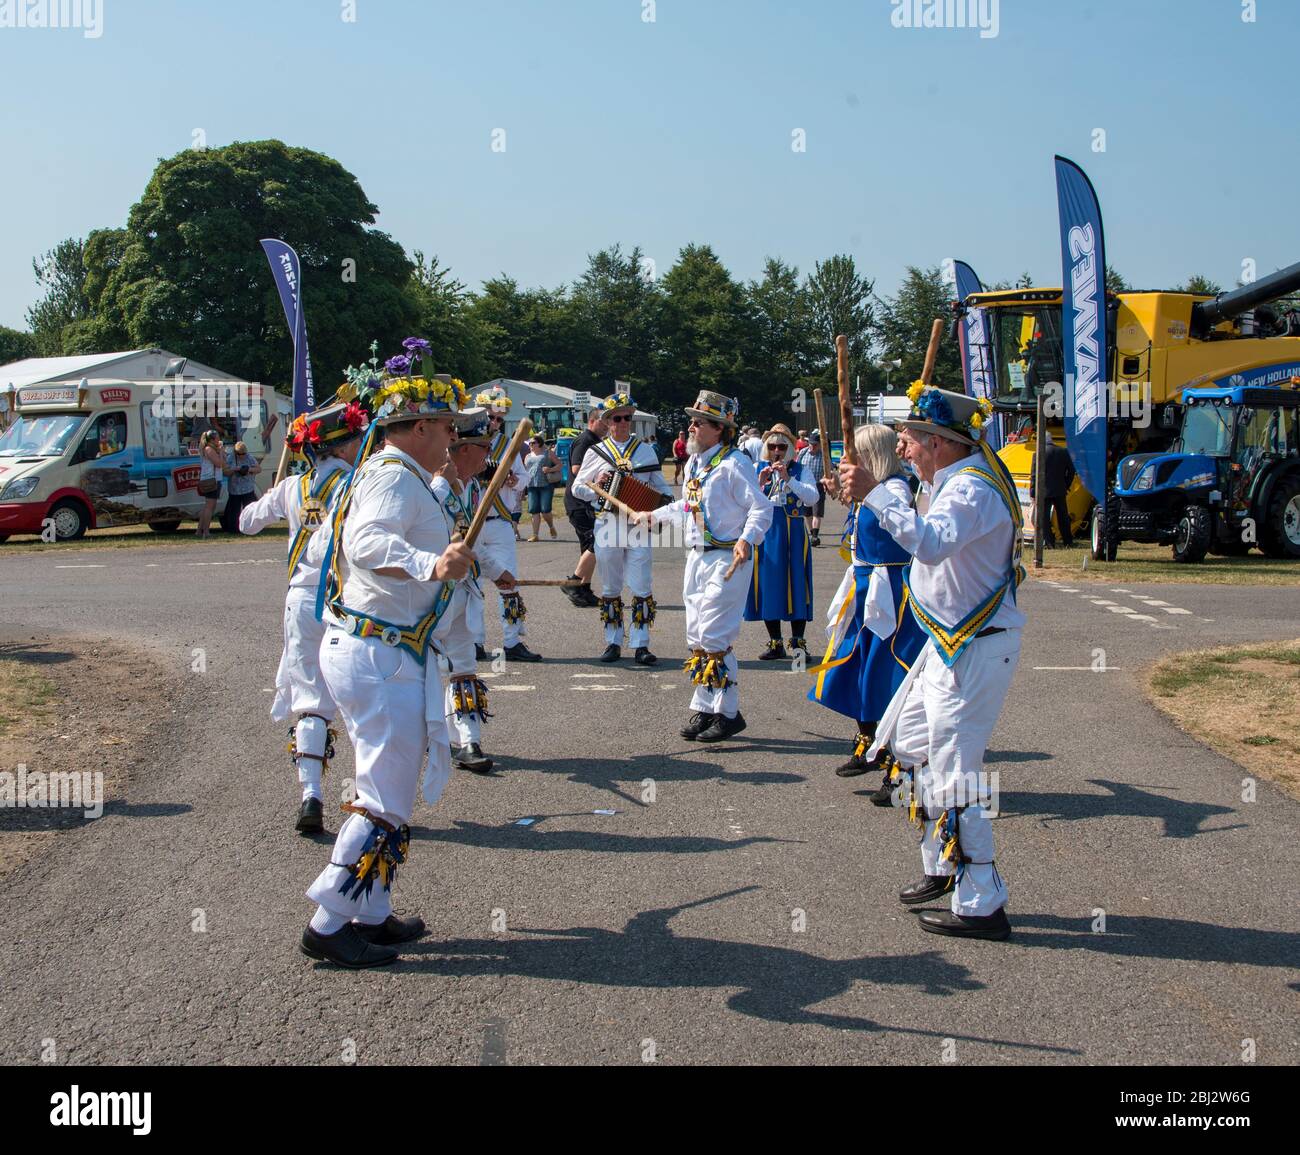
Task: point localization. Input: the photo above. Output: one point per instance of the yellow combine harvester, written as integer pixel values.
(1159, 343)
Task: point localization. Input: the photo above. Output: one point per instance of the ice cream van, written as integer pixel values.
(81, 455)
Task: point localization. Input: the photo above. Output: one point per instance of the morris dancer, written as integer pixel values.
(725, 516)
(497, 542)
(874, 639)
(962, 587)
(622, 551)
(330, 438)
(458, 491)
(389, 578)
(781, 590)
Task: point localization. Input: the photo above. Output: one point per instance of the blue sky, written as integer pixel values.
(922, 143)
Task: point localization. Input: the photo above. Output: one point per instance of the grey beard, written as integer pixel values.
(692, 445)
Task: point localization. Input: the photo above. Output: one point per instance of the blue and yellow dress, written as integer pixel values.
(781, 589)
(861, 670)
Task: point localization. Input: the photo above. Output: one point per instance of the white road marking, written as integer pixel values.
(1119, 609)
(1143, 618)
(1150, 601)
(1121, 591)
(1100, 602)
(80, 567)
(512, 689)
(1175, 610)
(599, 689)
(1102, 670)
(1065, 591)
(591, 675)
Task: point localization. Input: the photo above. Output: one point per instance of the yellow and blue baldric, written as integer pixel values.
(951, 640)
(413, 639)
(694, 494)
(314, 497)
(498, 447)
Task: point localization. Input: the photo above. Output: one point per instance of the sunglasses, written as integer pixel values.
(776, 449)
(619, 419)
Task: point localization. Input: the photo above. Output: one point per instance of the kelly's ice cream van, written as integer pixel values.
(81, 455)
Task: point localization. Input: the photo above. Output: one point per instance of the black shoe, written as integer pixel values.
(994, 926)
(697, 725)
(310, 817)
(856, 765)
(815, 541)
(722, 728)
(521, 653)
(612, 653)
(589, 599)
(644, 657)
(391, 931)
(775, 652)
(471, 757)
(580, 595)
(883, 795)
(480, 654)
(347, 948)
(932, 886)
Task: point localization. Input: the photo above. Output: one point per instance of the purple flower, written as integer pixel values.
(398, 366)
(414, 345)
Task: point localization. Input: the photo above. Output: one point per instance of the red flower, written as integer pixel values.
(355, 417)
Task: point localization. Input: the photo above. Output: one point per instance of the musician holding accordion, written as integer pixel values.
(629, 470)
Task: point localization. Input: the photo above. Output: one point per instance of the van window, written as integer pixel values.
(105, 435)
(251, 429)
(46, 435)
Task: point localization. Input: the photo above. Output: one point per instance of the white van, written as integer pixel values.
(81, 455)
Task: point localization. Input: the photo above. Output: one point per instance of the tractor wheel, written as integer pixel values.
(1105, 531)
(1280, 536)
(70, 520)
(1192, 537)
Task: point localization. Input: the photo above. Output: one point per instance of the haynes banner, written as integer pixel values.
(976, 351)
(1083, 265)
(288, 280)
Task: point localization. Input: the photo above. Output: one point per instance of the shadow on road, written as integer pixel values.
(777, 984)
(33, 818)
(1016, 756)
(36, 655)
(1141, 936)
(513, 837)
(1181, 819)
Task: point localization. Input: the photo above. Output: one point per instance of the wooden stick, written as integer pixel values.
(846, 402)
(932, 351)
(564, 582)
(627, 510)
(819, 403)
(284, 457)
(504, 467)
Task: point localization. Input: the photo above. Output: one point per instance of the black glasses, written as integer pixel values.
(621, 417)
(776, 449)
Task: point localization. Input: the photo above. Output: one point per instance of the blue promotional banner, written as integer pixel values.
(976, 350)
(1083, 265)
(288, 280)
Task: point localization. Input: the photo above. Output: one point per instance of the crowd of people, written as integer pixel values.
(384, 620)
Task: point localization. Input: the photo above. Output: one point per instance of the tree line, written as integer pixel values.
(186, 273)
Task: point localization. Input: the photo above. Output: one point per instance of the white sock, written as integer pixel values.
(325, 922)
(312, 790)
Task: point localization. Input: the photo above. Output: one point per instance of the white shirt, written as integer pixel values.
(393, 521)
(753, 446)
(961, 546)
(466, 495)
(283, 502)
(597, 461)
(731, 502)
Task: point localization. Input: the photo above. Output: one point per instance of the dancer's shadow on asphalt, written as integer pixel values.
(1181, 819)
(36, 655)
(32, 818)
(995, 756)
(1143, 936)
(512, 836)
(777, 984)
(607, 773)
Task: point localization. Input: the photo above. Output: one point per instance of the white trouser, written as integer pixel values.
(456, 645)
(300, 688)
(622, 559)
(397, 731)
(497, 551)
(940, 720)
(713, 618)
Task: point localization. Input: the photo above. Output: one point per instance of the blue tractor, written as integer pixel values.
(1230, 481)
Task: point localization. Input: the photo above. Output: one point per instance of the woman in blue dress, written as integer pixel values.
(781, 588)
(874, 637)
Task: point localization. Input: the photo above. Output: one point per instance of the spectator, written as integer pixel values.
(679, 455)
(753, 445)
(811, 460)
(581, 516)
(1058, 471)
(212, 469)
(241, 468)
(544, 470)
(802, 443)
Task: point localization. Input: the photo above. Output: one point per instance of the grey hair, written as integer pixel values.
(877, 447)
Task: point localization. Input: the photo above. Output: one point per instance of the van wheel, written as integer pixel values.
(1281, 532)
(164, 526)
(70, 520)
(1192, 537)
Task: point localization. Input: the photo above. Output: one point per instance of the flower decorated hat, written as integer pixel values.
(333, 425)
(952, 415)
(472, 427)
(495, 400)
(716, 407)
(405, 388)
(618, 403)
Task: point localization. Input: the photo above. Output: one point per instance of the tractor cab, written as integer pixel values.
(1230, 481)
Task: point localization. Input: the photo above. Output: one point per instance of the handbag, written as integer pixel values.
(209, 487)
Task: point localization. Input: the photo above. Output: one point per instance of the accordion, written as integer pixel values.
(636, 494)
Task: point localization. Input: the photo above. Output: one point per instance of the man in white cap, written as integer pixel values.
(725, 515)
(330, 438)
(961, 586)
(622, 551)
(497, 545)
(459, 492)
(389, 574)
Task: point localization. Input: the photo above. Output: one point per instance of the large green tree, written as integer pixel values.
(785, 348)
(615, 307)
(460, 341)
(529, 331)
(842, 303)
(905, 324)
(15, 345)
(61, 276)
(190, 274)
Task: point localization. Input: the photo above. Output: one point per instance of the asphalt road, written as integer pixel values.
(747, 914)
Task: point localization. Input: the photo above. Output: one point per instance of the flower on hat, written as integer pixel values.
(355, 417)
(303, 433)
